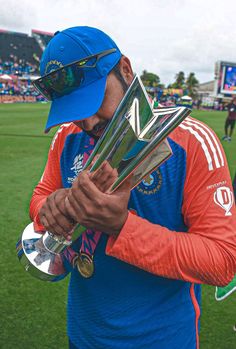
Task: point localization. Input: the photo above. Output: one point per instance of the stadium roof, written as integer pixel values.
(36, 31)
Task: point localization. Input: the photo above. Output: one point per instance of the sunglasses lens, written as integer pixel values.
(42, 89)
(60, 82)
(64, 80)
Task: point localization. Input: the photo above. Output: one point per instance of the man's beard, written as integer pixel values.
(96, 133)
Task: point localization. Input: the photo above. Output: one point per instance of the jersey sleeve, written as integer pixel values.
(50, 180)
(207, 252)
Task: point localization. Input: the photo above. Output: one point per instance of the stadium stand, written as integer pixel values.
(19, 64)
(41, 37)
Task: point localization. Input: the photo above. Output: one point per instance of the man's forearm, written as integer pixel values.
(177, 255)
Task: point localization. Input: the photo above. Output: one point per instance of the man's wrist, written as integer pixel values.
(117, 231)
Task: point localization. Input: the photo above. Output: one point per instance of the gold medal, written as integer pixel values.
(85, 265)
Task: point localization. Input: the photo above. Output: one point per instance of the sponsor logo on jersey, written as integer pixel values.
(216, 185)
(223, 197)
(151, 183)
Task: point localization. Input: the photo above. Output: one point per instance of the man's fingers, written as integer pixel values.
(52, 226)
(81, 204)
(59, 200)
(63, 222)
(53, 220)
(104, 181)
(49, 223)
(102, 178)
(72, 208)
(86, 187)
(44, 222)
(125, 187)
(127, 184)
(101, 168)
(104, 170)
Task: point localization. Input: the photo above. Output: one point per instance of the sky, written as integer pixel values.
(160, 36)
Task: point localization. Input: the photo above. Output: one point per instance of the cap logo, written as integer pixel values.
(53, 65)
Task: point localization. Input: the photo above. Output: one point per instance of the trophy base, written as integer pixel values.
(37, 259)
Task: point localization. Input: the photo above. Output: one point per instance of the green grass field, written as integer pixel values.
(33, 313)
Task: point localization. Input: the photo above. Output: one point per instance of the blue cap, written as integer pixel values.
(68, 46)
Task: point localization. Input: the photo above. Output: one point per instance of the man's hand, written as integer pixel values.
(53, 215)
(104, 176)
(88, 204)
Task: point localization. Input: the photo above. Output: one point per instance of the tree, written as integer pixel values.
(192, 85)
(150, 79)
(179, 80)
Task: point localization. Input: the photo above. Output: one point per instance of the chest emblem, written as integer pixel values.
(151, 183)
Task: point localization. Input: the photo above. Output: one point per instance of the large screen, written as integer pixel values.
(229, 79)
(225, 78)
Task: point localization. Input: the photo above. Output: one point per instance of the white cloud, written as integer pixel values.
(162, 36)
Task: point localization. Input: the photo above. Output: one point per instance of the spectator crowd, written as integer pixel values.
(16, 81)
(17, 67)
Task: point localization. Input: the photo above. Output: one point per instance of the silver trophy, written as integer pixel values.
(134, 143)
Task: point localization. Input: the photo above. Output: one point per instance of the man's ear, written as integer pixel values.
(126, 69)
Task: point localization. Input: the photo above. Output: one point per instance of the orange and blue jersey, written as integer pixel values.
(180, 232)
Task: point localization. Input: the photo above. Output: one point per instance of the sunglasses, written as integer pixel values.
(64, 80)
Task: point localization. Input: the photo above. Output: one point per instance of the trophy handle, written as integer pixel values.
(41, 254)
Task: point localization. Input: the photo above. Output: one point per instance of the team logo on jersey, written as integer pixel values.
(77, 167)
(223, 197)
(77, 164)
(151, 183)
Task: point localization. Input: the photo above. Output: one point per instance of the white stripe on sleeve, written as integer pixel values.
(213, 137)
(203, 144)
(213, 149)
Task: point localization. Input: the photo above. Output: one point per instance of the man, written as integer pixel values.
(174, 231)
(230, 120)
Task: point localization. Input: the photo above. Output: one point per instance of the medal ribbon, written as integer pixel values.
(90, 238)
(89, 241)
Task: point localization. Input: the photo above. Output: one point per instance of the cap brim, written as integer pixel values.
(78, 105)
